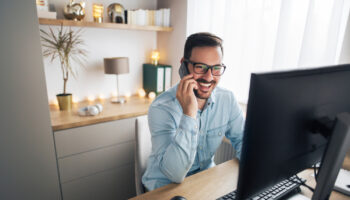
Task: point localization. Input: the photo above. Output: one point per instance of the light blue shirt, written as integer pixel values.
(182, 145)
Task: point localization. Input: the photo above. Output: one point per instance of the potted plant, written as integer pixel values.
(66, 46)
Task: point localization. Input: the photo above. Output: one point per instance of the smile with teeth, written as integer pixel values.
(205, 84)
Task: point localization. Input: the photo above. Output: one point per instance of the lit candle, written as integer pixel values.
(141, 92)
(97, 12)
(54, 102)
(101, 97)
(152, 95)
(155, 57)
(91, 98)
(75, 99)
(128, 95)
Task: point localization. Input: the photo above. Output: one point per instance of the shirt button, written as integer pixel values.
(200, 147)
(220, 134)
(195, 126)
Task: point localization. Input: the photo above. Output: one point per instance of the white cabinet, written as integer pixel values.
(97, 161)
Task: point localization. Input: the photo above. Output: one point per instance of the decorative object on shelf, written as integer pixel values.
(90, 110)
(66, 45)
(58, 22)
(97, 12)
(42, 8)
(151, 95)
(156, 78)
(155, 57)
(115, 12)
(141, 92)
(42, 5)
(74, 11)
(117, 65)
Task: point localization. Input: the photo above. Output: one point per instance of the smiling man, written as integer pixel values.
(189, 121)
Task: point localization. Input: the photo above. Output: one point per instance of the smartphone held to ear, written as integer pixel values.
(183, 71)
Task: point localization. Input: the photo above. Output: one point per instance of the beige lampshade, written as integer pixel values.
(117, 65)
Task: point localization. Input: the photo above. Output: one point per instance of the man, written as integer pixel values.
(188, 121)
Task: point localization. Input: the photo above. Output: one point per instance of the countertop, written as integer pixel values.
(135, 106)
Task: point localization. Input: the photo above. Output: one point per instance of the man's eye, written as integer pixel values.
(201, 66)
(217, 67)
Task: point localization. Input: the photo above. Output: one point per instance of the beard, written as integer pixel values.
(207, 95)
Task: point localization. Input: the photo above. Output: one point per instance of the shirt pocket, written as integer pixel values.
(214, 138)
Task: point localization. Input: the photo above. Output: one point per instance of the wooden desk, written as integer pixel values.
(216, 182)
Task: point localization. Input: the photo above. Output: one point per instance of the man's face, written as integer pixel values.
(206, 82)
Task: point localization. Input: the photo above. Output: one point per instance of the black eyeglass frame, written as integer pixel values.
(209, 67)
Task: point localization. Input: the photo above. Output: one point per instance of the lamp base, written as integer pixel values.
(120, 100)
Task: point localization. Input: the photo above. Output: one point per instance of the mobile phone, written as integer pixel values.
(183, 71)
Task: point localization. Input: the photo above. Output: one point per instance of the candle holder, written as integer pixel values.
(155, 57)
(97, 12)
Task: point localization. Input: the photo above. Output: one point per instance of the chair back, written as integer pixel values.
(143, 148)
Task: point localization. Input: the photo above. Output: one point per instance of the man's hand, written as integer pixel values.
(186, 97)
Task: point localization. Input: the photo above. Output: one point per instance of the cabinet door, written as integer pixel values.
(87, 138)
(112, 184)
(91, 162)
(97, 161)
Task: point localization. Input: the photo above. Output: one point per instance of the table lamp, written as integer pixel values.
(117, 65)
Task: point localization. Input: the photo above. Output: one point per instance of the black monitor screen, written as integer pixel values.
(282, 106)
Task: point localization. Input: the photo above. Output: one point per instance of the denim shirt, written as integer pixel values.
(182, 145)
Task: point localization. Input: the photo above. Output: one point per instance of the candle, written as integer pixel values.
(97, 12)
(152, 95)
(141, 92)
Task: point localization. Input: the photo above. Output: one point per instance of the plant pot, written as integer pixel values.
(64, 101)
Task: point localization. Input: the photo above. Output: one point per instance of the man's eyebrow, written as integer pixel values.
(205, 63)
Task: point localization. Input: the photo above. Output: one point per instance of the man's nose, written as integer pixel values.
(208, 76)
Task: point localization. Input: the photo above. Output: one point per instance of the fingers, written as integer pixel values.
(191, 84)
(183, 80)
(189, 76)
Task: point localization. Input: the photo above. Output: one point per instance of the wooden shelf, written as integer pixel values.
(59, 22)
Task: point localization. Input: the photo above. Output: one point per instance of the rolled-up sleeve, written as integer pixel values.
(175, 145)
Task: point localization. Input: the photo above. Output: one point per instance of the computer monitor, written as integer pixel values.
(280, 138)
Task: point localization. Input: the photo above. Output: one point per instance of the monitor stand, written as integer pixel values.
(333, 158)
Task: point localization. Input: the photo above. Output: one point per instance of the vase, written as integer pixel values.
(64, 101)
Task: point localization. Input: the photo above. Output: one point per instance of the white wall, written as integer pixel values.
(91, 80)
(171, 44)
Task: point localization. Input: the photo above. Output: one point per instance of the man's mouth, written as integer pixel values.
(204, 86)
(207, 85)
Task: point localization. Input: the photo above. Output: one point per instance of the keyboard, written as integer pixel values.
(281, 189)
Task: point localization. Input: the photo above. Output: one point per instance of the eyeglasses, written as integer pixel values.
(201, 68)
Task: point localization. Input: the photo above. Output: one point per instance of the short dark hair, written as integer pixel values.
(202, 39)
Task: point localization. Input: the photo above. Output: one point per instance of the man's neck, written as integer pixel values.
(201, 103)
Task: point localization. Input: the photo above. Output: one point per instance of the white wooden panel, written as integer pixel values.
(109, 185)
(86, 138)
(84, 164)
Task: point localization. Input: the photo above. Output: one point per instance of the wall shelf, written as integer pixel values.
(59, 22)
